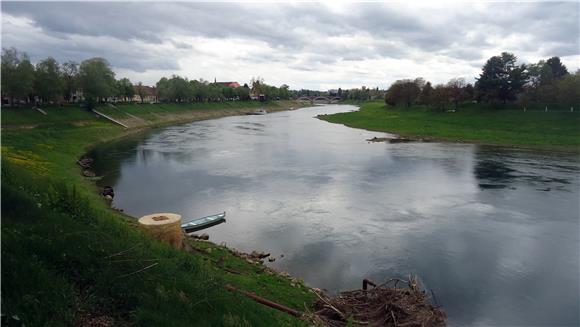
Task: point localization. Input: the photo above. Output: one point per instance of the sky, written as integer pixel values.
(317, 46)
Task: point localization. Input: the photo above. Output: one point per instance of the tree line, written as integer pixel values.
(501, 81)
(93, 81)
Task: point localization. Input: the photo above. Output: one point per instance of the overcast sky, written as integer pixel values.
(304, 45)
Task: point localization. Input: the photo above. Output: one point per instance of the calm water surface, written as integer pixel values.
(494, 232)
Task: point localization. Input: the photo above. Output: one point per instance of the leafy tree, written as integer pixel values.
(10, 61)
(200, 90)
(48, 83)
(558, 70)
(284, 92)
(175, 89)
(96, 79)
(569, 90)
(535, 73)
(69, 73)
(25, 78)
(228, 93)
(126, 89)
(403, 92)
(17, 75)
(162, 87)
(243, 92)
(544, 77)
(501, 79)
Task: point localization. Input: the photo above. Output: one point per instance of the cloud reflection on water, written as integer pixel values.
(341, 209)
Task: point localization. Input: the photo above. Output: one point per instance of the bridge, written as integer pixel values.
(319, 99)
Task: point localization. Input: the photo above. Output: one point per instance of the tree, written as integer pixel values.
(48, 83)
(403, 92)
(25, 78)
(257, 85)
(455, 88)
(243, 92)
(126, 89)
(96, 79)
(17, 75)
(10, 61)
(440, 97)
(175, 89)
(141, 91)
(284, 92)
(69, 73)
(501, 79)
(569, 89)
(468, 92)
(558, 70)
(426, 93)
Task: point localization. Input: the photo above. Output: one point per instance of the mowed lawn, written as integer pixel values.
(151, 112)
(471, 123)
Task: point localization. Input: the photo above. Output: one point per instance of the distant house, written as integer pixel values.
(149, 94)
(228, 84)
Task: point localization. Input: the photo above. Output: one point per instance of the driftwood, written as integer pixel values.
(379, 306)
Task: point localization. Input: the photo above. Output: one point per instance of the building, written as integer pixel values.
(149, 94)
(228, 84)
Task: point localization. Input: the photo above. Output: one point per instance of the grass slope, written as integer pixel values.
(471, 123)
(68, 259)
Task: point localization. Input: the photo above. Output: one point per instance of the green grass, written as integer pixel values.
(27, 115)
(471, 123)
(153, 112)
(59, 240)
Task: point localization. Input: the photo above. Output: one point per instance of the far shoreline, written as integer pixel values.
(344, 119)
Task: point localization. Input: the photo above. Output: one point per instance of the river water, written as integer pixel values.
(494, 232)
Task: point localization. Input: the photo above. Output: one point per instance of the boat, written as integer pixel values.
(257, 112)
(203, 223)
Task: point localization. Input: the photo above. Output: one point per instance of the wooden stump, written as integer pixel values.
(165, 227)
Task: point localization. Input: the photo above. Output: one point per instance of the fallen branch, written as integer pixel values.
(265, 302)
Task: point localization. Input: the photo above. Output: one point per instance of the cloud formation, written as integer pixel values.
(305, 45)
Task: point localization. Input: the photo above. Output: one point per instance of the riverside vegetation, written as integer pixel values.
(74, 261)
(475, 123)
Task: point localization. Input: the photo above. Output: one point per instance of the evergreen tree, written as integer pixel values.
(501, 79)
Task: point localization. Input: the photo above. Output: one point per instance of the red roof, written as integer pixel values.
(229, 84)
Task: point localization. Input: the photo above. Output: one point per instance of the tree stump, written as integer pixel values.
(165, 227)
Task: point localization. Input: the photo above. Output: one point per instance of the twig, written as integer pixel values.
(331, 306)
(145, 260)
(138, 271)
(121, 253)
(394, 320)
(396, 280)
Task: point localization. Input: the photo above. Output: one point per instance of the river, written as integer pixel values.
(494, 232)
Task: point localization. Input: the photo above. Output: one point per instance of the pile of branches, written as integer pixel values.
(382, 305)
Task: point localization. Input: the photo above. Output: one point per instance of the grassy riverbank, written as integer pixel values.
(68, 259)
(559, 130)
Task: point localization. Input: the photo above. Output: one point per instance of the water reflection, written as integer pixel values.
(494, 232)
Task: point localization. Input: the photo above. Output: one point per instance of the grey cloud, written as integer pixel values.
(280, 26)
(299, 34)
